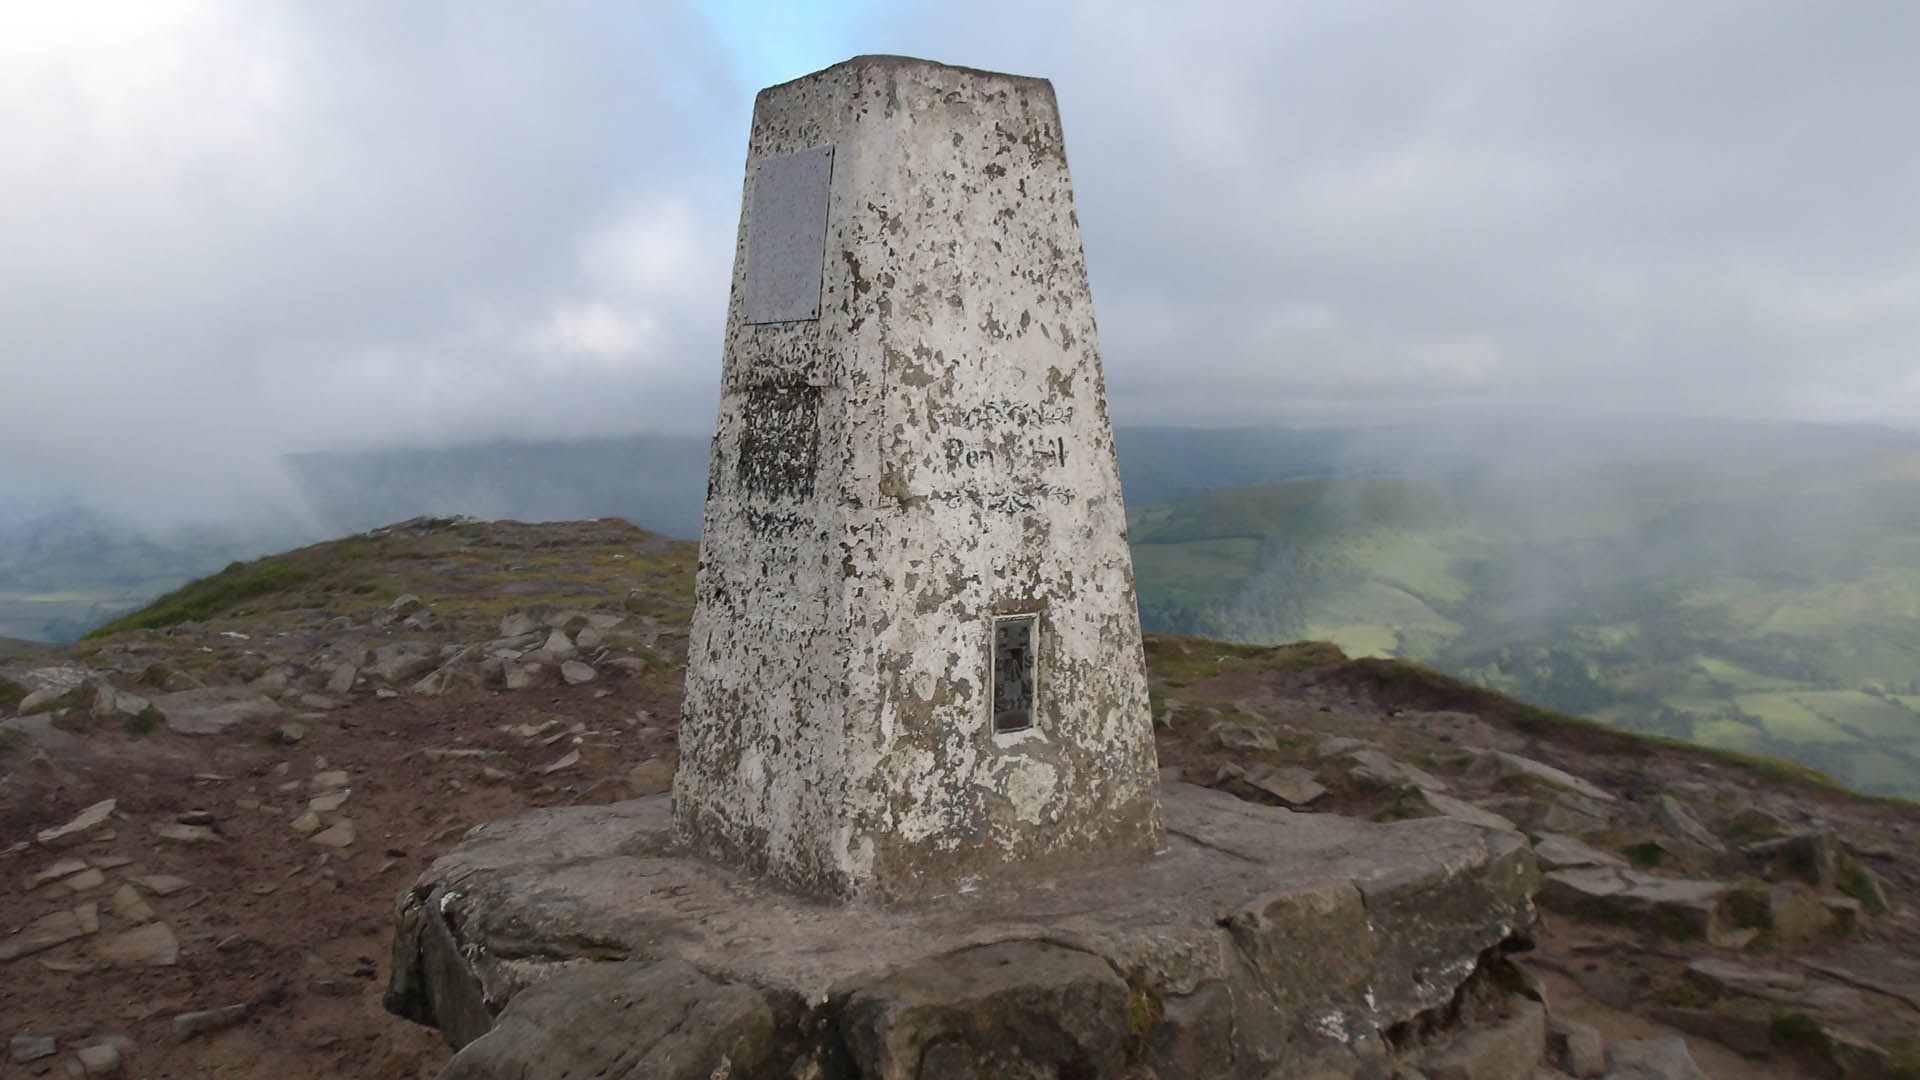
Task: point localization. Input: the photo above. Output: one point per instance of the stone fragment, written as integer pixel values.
(187, 1025)
(1652, 1059)
(1558, 852)
(406, 604)
(75, 831)
(627, 1019)
(604, 620)
(214, 709)
(575, 672)
(1679, 908)
(1575, 1048)
(1374, 768)
(42, 698)
(385, 694)
(100, 1059)
(186, 834)
(24, 1048)
(1670, 814)
(44, 933)
(1012, 1009)
(566, 761)
(1291, 785)
(1465, 811)
(328, 781)
(109, 862)
(162, 884)
(63, 868)
(109, 702)
(586, 638)
(517, 623)
(341, 681)
(1577, 814)
(1507, 1050)
(328, 802)
(650, 777)
(152, 945)
(90, 878)
(1496, 765)
(559, 645)
(338, 835)
(128, 904)
(88, 916)
(1813, 855)
(292, 731)
(402, 661)
(516, 676)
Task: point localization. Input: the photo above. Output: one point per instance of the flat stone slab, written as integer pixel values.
(1298, 934)
(212, 710)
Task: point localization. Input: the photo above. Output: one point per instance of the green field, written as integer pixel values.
(1772, 607)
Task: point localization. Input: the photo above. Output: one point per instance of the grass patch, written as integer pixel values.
(11, 693)
(238, 583)
(1646, 856)
(145, 722)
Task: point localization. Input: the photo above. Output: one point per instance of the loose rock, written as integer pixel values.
(1557, 852)
(44, 933)
(1576, 814)
(338, 835)
(1575, 1048)
(100, 1059)
(187, 1025)
(24, 1048)
(152, 945)
(1496, 765)
(75, 831)
(1508, 1050)
(187, 834)
(575, 672)
(1676, 819)
(129, 906)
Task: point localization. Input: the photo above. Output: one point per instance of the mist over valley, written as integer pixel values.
(1748, 585)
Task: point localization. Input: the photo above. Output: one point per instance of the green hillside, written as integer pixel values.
(1770, 606)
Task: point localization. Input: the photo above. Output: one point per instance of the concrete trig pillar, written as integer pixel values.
(915, 658)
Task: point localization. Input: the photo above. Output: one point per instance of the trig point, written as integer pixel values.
(915, 658)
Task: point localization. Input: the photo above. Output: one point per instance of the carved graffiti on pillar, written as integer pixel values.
(1015, 641)
(780, 441)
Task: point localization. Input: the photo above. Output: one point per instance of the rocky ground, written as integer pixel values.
(203, 826)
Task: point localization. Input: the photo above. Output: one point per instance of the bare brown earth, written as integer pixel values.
(299, 931)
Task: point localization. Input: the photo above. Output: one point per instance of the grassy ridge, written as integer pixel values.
(239, 582)
(1760, 608)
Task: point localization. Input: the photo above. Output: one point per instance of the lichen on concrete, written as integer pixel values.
(931, 451)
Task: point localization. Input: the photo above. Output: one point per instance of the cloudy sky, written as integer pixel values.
(233, 230)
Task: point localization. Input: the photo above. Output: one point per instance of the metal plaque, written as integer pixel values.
(787, 237)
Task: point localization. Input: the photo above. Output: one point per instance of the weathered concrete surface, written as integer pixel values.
(1259, 938)
(927, 453)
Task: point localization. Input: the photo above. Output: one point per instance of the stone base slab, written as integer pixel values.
(1258, 942)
